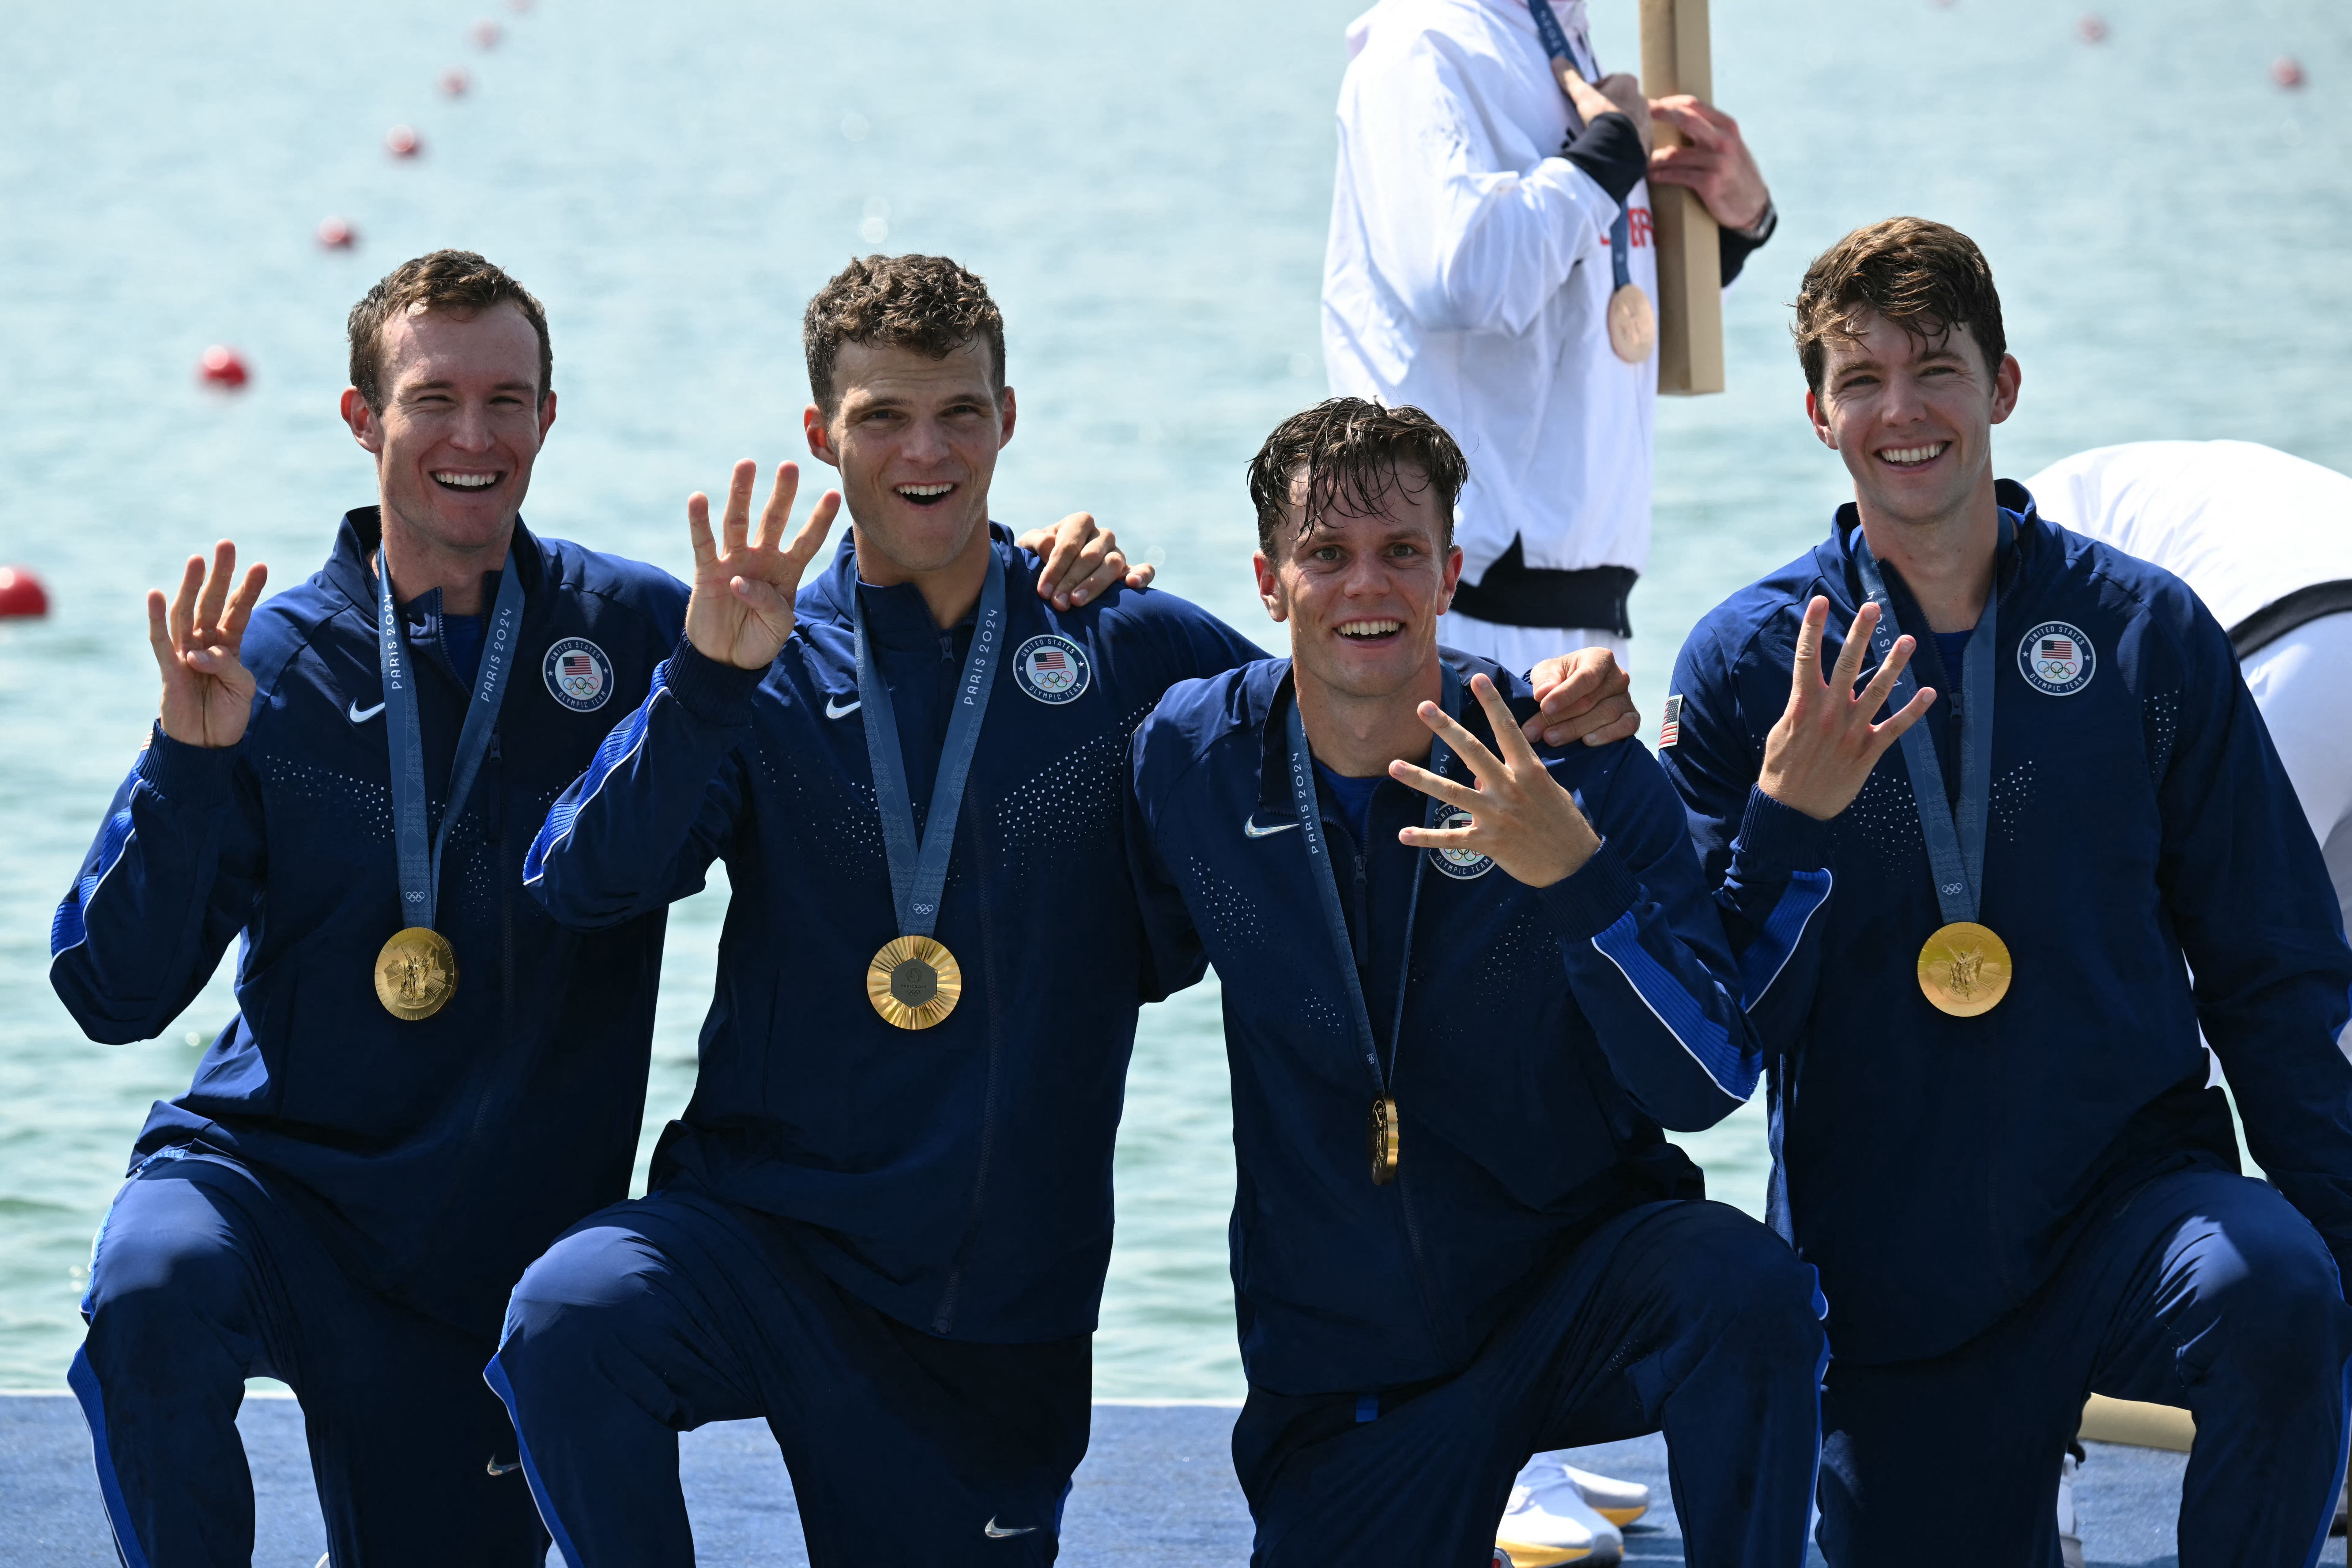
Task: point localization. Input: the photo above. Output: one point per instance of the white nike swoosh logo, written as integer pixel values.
(1250, 828)
(498, 1469)
(832, 711)
(996, 1531)
(360, 715)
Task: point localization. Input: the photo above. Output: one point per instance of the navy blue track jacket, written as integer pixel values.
(1549, 1036)
(1932, 1167)
(440, 1156)
(956, 1177)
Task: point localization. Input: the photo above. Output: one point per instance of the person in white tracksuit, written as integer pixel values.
(2265, 540)
(1492, 195)
(1476, 244)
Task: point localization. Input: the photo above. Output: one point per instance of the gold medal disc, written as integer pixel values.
(914, 982)
(1965, 970)
(415, 974)
(1384, 1141)
(1633, 324)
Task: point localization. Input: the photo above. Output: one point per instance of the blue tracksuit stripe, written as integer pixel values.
(66, 929)
(496, 1376)
(614, 750)
(1732, 1070)
(1784, 932)
(83, 1380)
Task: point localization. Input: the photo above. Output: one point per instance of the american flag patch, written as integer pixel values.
(1049, 658)
(579, 666)
(2057, 647)
(1670, 727)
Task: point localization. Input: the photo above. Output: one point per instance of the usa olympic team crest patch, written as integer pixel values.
(578, 675)
(1462, 865)
(2056, 659)
(1052, 668)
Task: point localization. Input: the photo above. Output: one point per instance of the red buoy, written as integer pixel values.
(334, 234)
(2091, 28)
(2287, 71)
(455, 82)
(487, 35)
(402, 142)
(21, 593)
(223, 367)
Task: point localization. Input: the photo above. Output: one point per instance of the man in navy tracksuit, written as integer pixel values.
(1458, 1024)
(1995, 1136)
(345, 1194)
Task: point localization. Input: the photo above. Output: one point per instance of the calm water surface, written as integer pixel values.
(1146, 190)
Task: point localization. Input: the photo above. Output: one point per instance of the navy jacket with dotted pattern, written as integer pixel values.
(956, 1177)
(437, 1157)
(2150, 872)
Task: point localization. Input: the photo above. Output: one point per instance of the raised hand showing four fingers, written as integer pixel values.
(744, 581)
(1822, 750)
(207, 693)
(1518, 814)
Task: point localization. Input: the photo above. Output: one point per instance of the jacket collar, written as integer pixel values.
(1273, 678)
(897, 617)
(2027, 537)
(361, 531)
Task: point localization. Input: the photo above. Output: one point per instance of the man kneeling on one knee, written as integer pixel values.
(1468, 982)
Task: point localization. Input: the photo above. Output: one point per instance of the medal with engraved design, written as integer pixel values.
(913, 980)
(1633, 323)
(1384, 1140)
(1964, 969)
(415, 974)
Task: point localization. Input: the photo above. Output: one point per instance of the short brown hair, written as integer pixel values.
(1925, 277)
(1355, 452)
(455, 281)
(925, 302)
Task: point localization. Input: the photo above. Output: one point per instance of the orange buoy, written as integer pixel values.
(21, 594)
(487, 35)
(455, 82)
(2287, 71)
(223, 367)
(334, 234)
(402, 141)
(2091, 28)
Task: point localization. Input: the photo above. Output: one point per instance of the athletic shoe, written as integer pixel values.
(2069, 1535)
(1503, 1559)
(1619, 1502)
(1542, 1527)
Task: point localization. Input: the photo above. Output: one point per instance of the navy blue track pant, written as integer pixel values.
(652, 1317)
(1688, 1317)
(202, 1279)
(2201, 1288)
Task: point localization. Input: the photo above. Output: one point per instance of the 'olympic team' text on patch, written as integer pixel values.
(1052, 668)
(2056, 659)
(578, 675)
(1462, 865)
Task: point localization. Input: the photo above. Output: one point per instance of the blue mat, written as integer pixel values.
(1157, 1489)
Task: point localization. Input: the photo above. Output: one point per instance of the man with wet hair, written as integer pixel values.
(1460, 1020)
(884, 1220)
(427, 1079)
(1993, 1132)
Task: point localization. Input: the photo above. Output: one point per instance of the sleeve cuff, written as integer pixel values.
(709, 689)
(1610, 151)
(1594, 897)
(186, 774)
(1779, 838)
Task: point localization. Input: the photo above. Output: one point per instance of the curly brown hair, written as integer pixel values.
(1355, 453)
(925, 302)
(1925, 277)
(455, 280)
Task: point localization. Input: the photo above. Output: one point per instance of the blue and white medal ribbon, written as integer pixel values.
(914, 981)
(1965, 968)
(1633, 323)
(1384, 1136)
(417, 970)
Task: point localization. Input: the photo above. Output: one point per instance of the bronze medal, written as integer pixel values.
(914, 982)
(1965, 970)
(1384, 1140)
(1633, 324)
(415, 974)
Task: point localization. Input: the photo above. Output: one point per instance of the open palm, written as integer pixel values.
(744, 581)
(207, 692)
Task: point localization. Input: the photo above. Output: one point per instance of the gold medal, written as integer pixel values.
(914, 982)
(1965, 970)
(415, 974)
(1633, 324)
(1384, 1141)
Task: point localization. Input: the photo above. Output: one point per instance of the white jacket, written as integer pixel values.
(1468, 274)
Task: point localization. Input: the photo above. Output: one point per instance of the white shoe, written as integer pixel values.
(1554, 1524)
(1619, 1502)
(2070, 1532)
